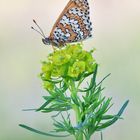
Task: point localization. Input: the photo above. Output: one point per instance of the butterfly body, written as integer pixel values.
(54, 42)
(73, 24)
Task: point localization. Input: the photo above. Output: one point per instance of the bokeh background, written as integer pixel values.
(116, 38)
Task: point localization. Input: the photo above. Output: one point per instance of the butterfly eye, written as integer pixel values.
(46, 41)
(43, 40)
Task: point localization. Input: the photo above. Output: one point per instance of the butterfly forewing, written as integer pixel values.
(73, 24)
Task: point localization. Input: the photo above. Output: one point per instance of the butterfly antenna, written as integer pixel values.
(39, 28)
(38, 31)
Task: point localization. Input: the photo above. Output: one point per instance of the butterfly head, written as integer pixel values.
(46, 41)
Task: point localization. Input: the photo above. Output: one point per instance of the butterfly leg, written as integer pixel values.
(54, 49)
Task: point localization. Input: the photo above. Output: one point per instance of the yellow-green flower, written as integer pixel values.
(74, 50)
(58, 71)
(70, 61)
(46, 67)
(60, 57)
(86, 56)
(77, 68)
(46, 70)
(48, 85)
(90, 67)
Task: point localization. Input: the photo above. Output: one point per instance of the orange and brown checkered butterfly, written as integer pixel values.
(73, 25)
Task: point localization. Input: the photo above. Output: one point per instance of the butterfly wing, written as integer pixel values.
(73, 23)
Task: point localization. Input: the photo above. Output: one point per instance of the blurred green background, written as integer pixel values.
(116, 38)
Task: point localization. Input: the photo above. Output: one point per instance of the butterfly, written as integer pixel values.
(73, 25)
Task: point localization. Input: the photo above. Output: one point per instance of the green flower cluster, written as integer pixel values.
(66, 63)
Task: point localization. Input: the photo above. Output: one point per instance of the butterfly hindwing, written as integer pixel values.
(73, 24)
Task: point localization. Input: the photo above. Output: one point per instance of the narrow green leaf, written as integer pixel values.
(103, 79)
(40, 132)
(92, 83)
(102, 110)
(108, 123)
(55, 81)
(28, 109)
(123, 108)
(108, 117)
(45, 104)
(47, 97)
(94, 106)
(46, 110)
(93, 80)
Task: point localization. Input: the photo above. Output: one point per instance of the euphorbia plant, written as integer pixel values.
(69, 76)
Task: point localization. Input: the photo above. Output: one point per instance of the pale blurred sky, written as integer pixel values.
(116, 38)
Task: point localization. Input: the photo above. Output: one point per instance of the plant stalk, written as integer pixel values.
(79, 135)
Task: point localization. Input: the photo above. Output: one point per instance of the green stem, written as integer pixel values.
(77, 113)
(101, 135)
(79, 135)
